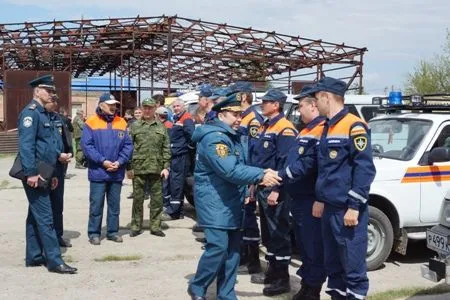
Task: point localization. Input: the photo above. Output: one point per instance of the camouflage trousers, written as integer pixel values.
(79, 156)
(156, 203)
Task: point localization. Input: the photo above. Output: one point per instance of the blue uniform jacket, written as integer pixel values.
(345, 163)
(221, 176)
(251, 121)
(300, 175)
(181, 135)
(106, 140)
(272, 143)
(38, 139)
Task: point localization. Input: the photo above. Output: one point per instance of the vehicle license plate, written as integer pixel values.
(437, 242)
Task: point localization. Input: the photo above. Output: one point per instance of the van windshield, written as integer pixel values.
(398, 138)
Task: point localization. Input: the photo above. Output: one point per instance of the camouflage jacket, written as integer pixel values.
(151, 147)
(78, 124)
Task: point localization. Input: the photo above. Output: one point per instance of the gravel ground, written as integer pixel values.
(165, 266)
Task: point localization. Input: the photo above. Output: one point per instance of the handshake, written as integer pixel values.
(270, 178)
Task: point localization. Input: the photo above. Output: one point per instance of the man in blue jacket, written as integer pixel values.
(108, 148)
(221, 177)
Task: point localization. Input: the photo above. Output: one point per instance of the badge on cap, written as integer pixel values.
(360, 143)
(301, 150)
(27, 122)
(222, 150)
(333, 154)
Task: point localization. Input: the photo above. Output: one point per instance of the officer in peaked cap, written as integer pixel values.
(203, 104)
(38, 145)
(217, 95)
(220, 179)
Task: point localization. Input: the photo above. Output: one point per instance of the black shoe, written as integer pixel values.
(193, 296)
(95, 240)
(196, 228)
(37, 263)
(158, 233)
(264, 278)
(200, 240)
(115, 238)
(63, 269)
(277, 287)
(308, 293)
(134, 233)
(64, 243)
(167, 217)
(253, 261)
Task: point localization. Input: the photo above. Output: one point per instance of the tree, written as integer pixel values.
(431, 76)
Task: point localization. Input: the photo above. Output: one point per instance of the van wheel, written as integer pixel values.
(380, 238)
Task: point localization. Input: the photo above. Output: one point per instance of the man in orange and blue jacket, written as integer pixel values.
(345, 173)
(108, 148)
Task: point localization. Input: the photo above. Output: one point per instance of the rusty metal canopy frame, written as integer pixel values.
(170, 49)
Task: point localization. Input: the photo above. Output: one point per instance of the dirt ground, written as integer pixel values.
(165, 266)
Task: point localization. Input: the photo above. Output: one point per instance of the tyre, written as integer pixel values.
(380, 238)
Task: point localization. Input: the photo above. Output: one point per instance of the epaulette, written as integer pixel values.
(32, 106)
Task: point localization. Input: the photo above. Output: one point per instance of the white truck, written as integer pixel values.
(406, 195)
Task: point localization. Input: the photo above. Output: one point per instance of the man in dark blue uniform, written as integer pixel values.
(270, 150)
(345, 173)
(38, 144)
(299, 179)
(64, 139)
(221, 177)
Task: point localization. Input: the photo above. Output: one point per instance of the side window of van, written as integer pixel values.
(369, 112)
(352, 109)
(440, 142)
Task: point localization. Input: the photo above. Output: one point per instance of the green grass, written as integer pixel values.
(118, 258)
(408, 292)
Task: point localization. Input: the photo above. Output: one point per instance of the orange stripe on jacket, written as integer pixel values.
(279, 126)
(97, 123)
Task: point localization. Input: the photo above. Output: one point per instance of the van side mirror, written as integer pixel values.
(439, 154)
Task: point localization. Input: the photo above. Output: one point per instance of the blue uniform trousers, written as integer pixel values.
(97, 193)
(251, 229)
(308, 237)
(57, 200)
(41, 241)
(179, 169)
(221, 260)
(345, 251)
(275, 227)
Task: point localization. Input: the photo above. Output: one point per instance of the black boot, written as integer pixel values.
(308, 292)
(265, 278)
(244, 255)
(254, 263)
(281, 284)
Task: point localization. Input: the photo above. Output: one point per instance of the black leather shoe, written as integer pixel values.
(196, 228)
(63, 269)
(134, 233)
(64, 243)
(193, 296)
(94, 240)
(115, 238)
(158, 233)
(277, 287)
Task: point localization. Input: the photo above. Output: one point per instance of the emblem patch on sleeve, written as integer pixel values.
(253, 131)
(27, 122)
(301, 150)
(222, 150)
(360, 143)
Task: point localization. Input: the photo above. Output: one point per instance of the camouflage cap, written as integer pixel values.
(149, 102)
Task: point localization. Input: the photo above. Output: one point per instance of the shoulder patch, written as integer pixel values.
(222, 150)
(27, 121)
(360, 143)
(358, 130)
(32, 106)
(288, 132)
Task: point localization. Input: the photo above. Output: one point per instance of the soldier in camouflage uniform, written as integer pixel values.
(78, 123)
(150, 162)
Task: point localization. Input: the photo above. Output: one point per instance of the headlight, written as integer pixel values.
(445, 213)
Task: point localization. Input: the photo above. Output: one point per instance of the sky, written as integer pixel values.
(397, 33)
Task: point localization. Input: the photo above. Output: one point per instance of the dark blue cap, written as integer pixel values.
(240, 87)
(331, 85)
(231, 103)
(219, 92)
(108, 99)
(205, 90)
(305, 92)
(47, 82)
(274, 95)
